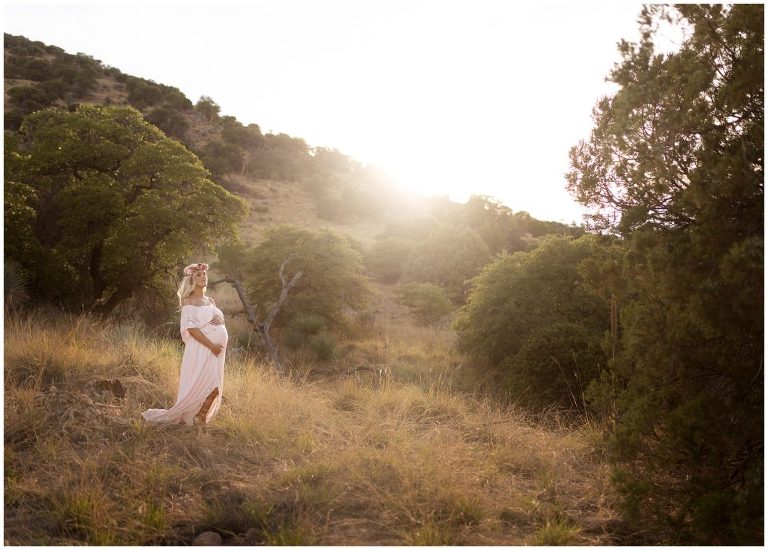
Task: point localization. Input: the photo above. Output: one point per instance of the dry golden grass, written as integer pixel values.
(335, 460)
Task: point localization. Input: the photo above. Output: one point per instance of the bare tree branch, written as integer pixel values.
(263, 327)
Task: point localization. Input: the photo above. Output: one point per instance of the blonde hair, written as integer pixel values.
(185, 289)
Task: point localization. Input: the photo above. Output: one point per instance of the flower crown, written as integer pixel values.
(192, 268)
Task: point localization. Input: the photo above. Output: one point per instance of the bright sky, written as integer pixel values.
(447, 97)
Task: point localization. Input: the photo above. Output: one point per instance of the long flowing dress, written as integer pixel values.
(201, 370)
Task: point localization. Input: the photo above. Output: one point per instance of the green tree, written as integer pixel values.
(245, 137)
(387, 256)
(332, 283)
(427, 302)
(495, 223)
(518, 293)
(281, 157)
(116, 205)
(207, 107)
(449, 257)
(675, 166)
(171, 121)
(222, 158)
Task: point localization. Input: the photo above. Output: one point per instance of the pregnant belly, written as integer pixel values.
(217, 334)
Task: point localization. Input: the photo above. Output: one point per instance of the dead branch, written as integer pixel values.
(262, 328)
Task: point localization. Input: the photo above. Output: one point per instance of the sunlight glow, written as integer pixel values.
(449, 98)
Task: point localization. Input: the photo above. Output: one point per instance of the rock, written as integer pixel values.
(208, 538)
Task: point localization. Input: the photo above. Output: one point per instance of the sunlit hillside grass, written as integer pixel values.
(328, 459)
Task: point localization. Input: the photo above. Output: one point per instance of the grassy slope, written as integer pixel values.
(288, 461)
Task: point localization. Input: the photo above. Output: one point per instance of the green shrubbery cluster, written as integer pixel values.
(427, 302)
(534, 316)
(449, 257)
(144, 93)
(660, 327)
(68, 79)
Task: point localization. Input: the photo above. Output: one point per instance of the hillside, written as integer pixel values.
(283, 179)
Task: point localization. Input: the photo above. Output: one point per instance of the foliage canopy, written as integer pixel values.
(101, 204)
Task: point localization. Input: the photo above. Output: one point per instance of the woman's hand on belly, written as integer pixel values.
(216, 349)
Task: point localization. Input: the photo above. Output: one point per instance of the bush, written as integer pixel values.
(521, 292)
(427, 302)
(450, 257)
(28, 99)
(170, 121)
(300, 328)
(387, 256)
(222, 158)
(554, 366)
(323, 346)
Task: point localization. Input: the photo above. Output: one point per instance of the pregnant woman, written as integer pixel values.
(202, 367)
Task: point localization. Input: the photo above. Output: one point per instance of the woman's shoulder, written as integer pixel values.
(191, 302)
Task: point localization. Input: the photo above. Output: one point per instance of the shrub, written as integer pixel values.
(169, 120)
(521, 292)
(222, 158)
(387, 256)
(323, 346)
(301, 327)
(554, 366)
(450, 257)
(427, 302)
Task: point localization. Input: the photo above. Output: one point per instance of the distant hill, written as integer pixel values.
(284, 179)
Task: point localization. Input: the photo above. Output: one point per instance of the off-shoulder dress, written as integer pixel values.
(201, 370)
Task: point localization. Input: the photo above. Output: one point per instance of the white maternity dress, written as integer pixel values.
(201, 370)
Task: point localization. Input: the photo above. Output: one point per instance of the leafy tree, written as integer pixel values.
(332, 283)
(330, 161)
(415, 228)
(172, 122)
(30, 98)
(116, 205)
(524, 291)
(427, 302)
(144, 93)
(245, 137)
(208, 108)
(449, 257)
(675, 165)
(222, 158)
(387, 256)
(495, 224)
(281, 157)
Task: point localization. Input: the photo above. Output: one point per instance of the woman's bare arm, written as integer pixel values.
(198, 335)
